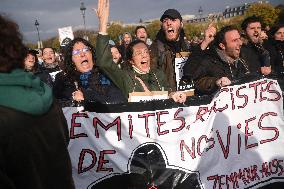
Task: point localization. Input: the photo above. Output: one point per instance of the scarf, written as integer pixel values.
(139, 71)
(48, 65)
(84, 78)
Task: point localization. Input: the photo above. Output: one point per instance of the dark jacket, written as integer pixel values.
(276, 51)
(163, 55)
(99, 89)
(33, 137)
(211, 68)
(53, 68)
(122, 50)
(255, 57)
(125, 79)
(44, 76)
(33, 150)
(52, 71)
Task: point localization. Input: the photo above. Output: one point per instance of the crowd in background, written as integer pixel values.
(214, 61)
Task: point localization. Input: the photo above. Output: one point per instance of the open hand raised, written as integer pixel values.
(102, 12)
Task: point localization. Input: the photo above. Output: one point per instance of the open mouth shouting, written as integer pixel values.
(84, 65)
(144, 66)
(49, 60)
(256, 37)
(142, 37)
(171, 34)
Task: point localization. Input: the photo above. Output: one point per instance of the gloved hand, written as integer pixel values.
(264, 55)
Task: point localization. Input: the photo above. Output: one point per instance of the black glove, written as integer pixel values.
(264, 55)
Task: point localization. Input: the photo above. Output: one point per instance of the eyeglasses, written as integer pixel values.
(140, 53)
(78, 52)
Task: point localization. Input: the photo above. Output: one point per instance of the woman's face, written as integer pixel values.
(279, 35)
(141, 57)
(29, 62)
(82, 57)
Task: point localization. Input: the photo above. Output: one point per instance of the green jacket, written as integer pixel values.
(24, 92)
(125, 80)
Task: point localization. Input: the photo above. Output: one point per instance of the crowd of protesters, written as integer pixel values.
(214, 61)
(108, 75)
(218, 59)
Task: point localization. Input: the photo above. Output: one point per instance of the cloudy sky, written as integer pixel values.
(54, 14)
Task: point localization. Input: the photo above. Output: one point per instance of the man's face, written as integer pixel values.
(115, 54)
(141, 34)
(233, 43)
(48, 55)
(253, 32)
(171, 28)
(126, 39)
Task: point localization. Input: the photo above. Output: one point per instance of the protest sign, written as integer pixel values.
(236, 141)
(65, 35)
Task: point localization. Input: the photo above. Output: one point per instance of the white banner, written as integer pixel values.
(236, 141)
(65, 35)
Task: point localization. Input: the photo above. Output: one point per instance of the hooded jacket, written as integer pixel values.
(25, 92)
(33, 137)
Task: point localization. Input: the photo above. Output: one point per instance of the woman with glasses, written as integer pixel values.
(81, 80)
(139, 78)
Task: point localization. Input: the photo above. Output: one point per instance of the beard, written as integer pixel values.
(175, 38)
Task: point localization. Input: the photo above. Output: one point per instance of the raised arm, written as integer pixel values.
(104, 57)
(103, 13)
(209, 35)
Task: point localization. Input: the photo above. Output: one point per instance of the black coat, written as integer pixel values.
(33, 150)
(211, 68)
(255, 57)
(100, 89)
(122, 50)
(44, 76)
(51, 71)
(276, 51)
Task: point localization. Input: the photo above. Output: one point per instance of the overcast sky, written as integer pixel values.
(54, 14)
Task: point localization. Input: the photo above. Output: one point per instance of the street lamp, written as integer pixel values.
(83, 10)
(39, 43)
(200, 11)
